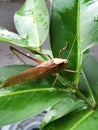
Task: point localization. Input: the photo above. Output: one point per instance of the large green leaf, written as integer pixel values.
(71, 18)
(64, 28)
(11, 37)
(77, 120)
(26, 100)
(89, 24)
(62, 108)
(32, 22)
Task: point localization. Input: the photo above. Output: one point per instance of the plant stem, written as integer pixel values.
(79, 94)
(78, 66)
(88, 86)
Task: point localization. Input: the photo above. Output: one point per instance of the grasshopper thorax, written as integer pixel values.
(62, 63)
(58, 61)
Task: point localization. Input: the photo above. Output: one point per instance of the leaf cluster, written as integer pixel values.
(73, 106)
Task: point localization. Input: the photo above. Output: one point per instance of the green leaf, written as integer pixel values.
(77, 120)
(11, 37)
(90, 76)
(89, 24)
(32, 22)
(65, 28)
(23, 101)
(62, 108)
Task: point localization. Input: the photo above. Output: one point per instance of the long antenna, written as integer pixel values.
(71, 47)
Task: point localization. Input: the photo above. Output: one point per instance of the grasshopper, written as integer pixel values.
(44, 68)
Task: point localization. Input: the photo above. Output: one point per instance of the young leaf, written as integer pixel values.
(32, 22)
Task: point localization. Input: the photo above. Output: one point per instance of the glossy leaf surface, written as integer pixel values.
(11, 37)
(64, 29)
(77, 120)
(62, 108)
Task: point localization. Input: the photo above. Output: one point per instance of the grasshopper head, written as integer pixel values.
(62, 63)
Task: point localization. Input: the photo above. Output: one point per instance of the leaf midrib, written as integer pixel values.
(33, 90)
(36, 26)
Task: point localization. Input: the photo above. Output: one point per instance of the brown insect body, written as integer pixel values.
(45, 68)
